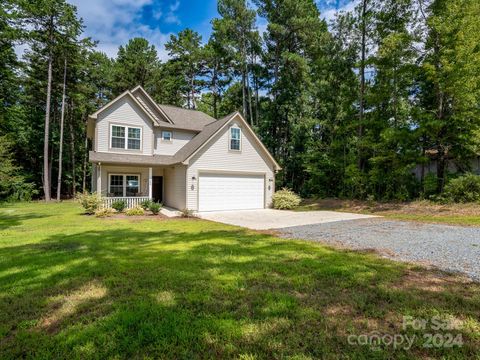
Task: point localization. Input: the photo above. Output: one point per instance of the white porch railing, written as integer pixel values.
(131, 201)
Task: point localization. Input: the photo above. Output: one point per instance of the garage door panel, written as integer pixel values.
(231, 192)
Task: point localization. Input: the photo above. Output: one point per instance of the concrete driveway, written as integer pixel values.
(265, 219)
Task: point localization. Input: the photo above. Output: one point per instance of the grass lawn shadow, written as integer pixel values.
(195, 289)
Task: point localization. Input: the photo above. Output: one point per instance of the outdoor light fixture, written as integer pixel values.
(194, 178)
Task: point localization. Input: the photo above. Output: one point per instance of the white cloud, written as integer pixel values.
(330, 13)
(114, 22)
(171, 17)
(174, 7)
(157, 14)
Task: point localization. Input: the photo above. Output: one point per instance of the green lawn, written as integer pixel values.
(74, 286)
(420, 211)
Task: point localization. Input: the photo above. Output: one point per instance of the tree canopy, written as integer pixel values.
(351, 108)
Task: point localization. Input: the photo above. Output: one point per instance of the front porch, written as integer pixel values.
(131, 201)
(133, 184)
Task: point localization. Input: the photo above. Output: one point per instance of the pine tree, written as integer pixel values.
(236, 31)
(186, 52)
(294, 37)
(450, 82)
(217, 73)
(135, 65)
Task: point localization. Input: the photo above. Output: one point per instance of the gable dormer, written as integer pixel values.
(151, 106)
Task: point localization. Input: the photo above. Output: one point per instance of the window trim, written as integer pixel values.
(124, 175)
(126, 127)
(171, 135)
(230, 138)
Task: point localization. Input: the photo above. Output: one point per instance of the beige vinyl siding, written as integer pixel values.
(174, 186)
(124, 112)
(142, 171)
(179, 139)
(217, 157)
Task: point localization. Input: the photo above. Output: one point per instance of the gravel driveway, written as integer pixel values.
(451, 248)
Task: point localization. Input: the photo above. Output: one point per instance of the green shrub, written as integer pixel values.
(285, 199)
(145, 204)
(119, 205)
(137, 210)
(13, 184)
(155, 207)
(463, 189)
(22, 191)
(187, 213)
(90, 202)
(105, 212)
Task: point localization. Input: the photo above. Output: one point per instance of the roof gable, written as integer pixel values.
(203, 138)
(200, 139)
(117, 99)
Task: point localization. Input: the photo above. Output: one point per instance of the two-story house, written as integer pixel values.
(183, 158)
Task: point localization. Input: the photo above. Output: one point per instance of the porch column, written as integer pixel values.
(99, 179)
(150, 182)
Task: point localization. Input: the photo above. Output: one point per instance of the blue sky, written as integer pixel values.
(113, 22)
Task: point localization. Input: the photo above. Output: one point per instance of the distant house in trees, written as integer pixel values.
(430, 167)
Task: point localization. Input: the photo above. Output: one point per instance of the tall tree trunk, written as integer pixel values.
(250, 96)
(440, 97)
(256, 102)
(72, 151)
(46, 162)
(215, 91)
(62, 120)
(363, 45)
(441, 165)
(244, 95)
(215, 105)
(192, 87)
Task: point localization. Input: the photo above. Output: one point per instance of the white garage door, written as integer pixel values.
(230, 192)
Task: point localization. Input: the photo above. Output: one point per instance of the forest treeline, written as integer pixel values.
(348, 108)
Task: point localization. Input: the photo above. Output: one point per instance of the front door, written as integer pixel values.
(157, 188)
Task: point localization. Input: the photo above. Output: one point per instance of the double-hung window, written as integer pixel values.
(166, 135)
(118, 137)
(116, 185)
(126, 137)
(132, 185)
(235, 139)
(134, 135)
(124, 185)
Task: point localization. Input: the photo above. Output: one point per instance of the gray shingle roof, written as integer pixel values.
(187, 119)
(130, 159)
